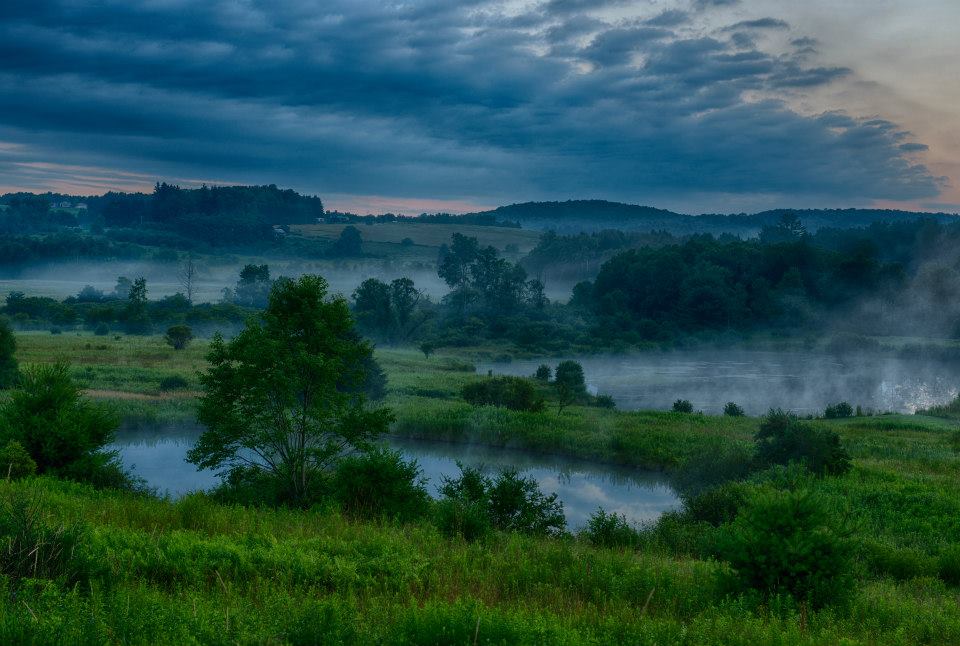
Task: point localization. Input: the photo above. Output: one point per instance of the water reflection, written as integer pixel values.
(159, 457)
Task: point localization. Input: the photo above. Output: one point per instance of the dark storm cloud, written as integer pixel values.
(761, 23)
(431, 99)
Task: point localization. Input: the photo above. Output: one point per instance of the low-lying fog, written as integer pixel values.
(757, 381)
(61, 280)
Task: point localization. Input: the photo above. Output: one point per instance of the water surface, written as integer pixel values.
(159, 457)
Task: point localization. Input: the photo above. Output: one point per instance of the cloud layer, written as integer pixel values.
(470, 100)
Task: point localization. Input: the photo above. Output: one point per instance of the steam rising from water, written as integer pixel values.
(799, 382)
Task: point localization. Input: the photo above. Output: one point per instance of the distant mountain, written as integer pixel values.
(594, 215)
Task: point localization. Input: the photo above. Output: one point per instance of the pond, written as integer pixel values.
(757, 381)
(158, 456)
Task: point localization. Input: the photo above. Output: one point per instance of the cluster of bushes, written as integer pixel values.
(514, 393)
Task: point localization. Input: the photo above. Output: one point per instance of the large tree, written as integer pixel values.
(285, 398)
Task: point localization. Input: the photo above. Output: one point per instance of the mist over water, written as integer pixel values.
(757, 380)
(159, 457)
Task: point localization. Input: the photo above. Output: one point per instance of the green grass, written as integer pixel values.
(197, 572)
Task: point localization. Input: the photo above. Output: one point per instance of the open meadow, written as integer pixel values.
(198, 570)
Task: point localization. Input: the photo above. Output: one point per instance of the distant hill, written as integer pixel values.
(595, 215)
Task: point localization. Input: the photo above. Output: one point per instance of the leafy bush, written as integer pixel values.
(610, 530)
(733, 410)
(515, 393)
(15, 462)
(901, 563)
(783, 543)
(380, 483)
(510, 503)
(569, 382)
(63, 432)
(718, 505)
(783, 438)
(682, 406)
(178, 336)
(838, 411)
(518, 505)
(948, 565)
(174, 382)
(544, 372)
(604, 401)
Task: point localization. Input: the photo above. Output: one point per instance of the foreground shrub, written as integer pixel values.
(838, 411)
(605, 401)
(783, 438)
(64, 432)
(733, 410)
(948, 565)
(511, 503)
(515, 393)
(610, 530)
(380, 483)
(682, 406)
(15, 461)
(32, 549)
(783, 543)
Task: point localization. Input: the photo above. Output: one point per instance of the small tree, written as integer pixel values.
(9, 371)
(285, 397)
(569, 383)
(63, 432)
(349, 244)
(137, 320)
(427, 348)
(783, 439)
(733, 410)
(543, 373)
(187, 274)
(178, 336)
(784, 543)
(682, 406)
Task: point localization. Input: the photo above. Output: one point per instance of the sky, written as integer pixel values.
(700, 106)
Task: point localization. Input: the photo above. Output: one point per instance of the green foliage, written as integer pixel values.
(15, 461)
(732, 409)
(682, 406)
(610, 530)
(515, 393)
(178, 336)
(349, 244)
(544, 373)
(9, 369)
(285, 396)
(102, 329)
(63, 432)
(605, 401)
(711, 466)
(568, 380)
(717, 505)
(510, 503)
(785, 543)
(173, 382)
(32, 549)
(380, 484)
(838, 411)
(253, 287)
(783, 438)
